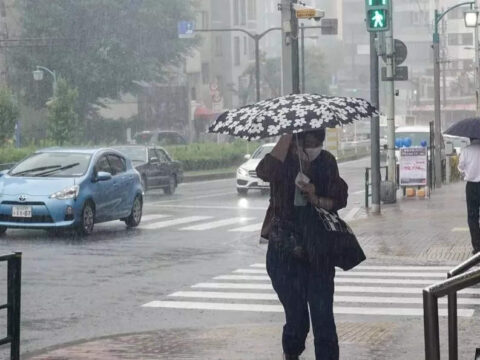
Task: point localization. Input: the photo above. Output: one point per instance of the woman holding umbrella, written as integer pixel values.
(305, 183)
(298, 284)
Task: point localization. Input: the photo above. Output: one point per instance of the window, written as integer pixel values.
(205, 73)
(117, 164)
(162, 157)
(205, 20)
(217, 10)
(152, 156)
(252, 9)
(243, 12)
(236, 12)
(102, 165)
(460, 39)
(245, 46)
(218, 46)
(236, 50)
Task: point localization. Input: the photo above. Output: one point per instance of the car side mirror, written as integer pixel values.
(248, 157)
(103, 176)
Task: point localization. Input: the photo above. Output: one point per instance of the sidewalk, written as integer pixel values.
(411, 232)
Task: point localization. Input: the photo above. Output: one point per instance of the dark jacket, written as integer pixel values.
(323, 173)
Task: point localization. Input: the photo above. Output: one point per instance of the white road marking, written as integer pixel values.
(386, 267)
(460, 229)
(358, 192)
(218, 224)
(397, 290)
(187, 198)
(154, 217)
(279, 308)
(210, 207)
(363, 273)
(249, 228)
(338, 298)
(181, 221)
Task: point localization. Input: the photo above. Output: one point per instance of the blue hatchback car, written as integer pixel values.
(70, 188)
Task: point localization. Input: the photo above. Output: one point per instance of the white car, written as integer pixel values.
(247, 178)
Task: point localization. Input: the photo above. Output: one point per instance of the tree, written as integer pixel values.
(102, 46)
(9, 113)
(316, 72)
(62, 118)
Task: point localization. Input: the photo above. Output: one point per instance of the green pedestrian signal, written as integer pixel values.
(378, 15)
(377, 20)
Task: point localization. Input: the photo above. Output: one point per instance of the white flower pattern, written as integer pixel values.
(291, 114)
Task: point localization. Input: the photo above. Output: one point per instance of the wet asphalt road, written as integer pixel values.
(83, 288)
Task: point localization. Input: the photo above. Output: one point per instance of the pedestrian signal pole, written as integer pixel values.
(378, 21)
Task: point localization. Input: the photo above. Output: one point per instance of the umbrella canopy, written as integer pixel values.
(291, 114)
(469, 128)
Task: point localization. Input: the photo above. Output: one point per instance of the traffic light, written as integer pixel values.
(378, 15)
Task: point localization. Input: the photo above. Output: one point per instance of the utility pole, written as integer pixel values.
(375, 127)
(438, 121)
(390, 95)
(477, 64)
(287, 76)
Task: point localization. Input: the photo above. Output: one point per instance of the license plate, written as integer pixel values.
(22, 211)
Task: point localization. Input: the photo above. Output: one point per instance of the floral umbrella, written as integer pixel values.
(291, 114)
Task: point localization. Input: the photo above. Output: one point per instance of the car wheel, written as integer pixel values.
(3, 230)
(144, 183)
(242, 192)
(87, 221)
(172, 184)
(136, 215)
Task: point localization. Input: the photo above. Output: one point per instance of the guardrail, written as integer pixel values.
(368, 184)
(14, 286)
(458, 279)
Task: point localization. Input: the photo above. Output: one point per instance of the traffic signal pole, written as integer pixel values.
(287, 78)
(375, 127)
(390, 96)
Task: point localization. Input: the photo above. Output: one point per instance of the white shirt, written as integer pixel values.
(469, 164)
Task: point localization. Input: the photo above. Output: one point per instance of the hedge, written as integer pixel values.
(194, 157)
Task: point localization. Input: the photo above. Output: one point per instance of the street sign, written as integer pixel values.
(186, 29)
(306, 13)
(401, 74)
(330, 27)
(401, 52)
(378, 15)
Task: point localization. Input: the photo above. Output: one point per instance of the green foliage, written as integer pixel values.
(316, 72)
(210, 156)
(62, 118)
(12, 155)
(9, 114)
(106, 46)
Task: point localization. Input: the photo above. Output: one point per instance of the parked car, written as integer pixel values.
(70, 188)
(157, 137)
(156, 167)
(247, 178)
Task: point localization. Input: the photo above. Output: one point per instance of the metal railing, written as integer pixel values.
(368, 184)
(458, 279)
(14, 285)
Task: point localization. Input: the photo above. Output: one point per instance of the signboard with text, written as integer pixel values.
(413, 166)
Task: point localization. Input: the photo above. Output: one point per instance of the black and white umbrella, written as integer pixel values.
(291, 114)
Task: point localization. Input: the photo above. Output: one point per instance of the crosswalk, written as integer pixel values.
(368, 290)
(233, 224)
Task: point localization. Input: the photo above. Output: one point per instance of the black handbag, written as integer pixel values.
(330, 240)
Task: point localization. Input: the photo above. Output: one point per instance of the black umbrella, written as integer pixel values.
(291, 114)
(469, 128)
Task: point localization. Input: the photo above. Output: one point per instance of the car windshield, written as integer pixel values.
(134, 153)
(53, 164)
(416, 137)
(143, 138)
(262, 151)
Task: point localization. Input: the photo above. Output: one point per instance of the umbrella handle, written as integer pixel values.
(298, 153)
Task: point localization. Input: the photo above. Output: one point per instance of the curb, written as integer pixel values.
(231, 175)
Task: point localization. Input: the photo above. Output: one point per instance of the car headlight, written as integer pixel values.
(241, 171)
(68, 193)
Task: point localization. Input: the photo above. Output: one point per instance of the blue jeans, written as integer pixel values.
(300, 288)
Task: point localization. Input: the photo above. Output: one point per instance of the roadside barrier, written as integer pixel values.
(458, 279)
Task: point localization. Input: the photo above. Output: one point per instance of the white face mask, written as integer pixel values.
(313, 153)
